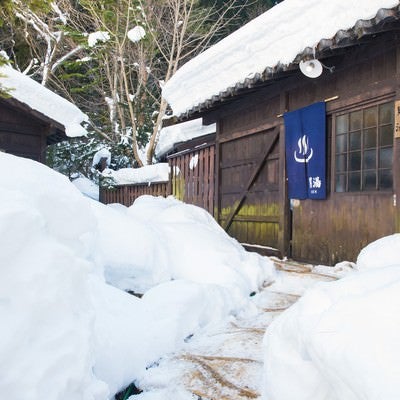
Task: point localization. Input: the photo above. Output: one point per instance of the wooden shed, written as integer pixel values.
(359, 83)
(25, 132)
(32, 116)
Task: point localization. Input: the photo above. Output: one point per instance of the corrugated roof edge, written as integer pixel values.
(342, 38)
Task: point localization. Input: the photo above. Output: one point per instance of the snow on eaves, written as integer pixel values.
(182, 132)
(43, 100)
(273, 39)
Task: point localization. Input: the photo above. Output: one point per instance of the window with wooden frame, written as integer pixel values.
(364, 149)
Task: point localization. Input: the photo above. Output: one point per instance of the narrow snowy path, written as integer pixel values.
(226, 363)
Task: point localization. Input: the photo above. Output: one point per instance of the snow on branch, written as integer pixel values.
(65, 57)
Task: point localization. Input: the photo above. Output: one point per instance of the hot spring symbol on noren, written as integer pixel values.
(305, 153)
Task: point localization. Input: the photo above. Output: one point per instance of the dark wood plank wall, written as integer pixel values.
(248, 145)
(127, 194)
(338, 228)
(21, 135)
(320, 231)
(194, 184)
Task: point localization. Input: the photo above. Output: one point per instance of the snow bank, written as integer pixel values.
(380, 253)
(149, 173)
(200, 305)
(37, 97)
(66, 333)
(46, 336)
(132, 253)
(171, 240)
(339, 341)
(120, 332)
(276, 36)
(62, 207)
(339, 270)
(198, 249)
(87, 187)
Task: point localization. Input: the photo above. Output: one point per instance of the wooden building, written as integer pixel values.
(32, 116)
(361, 86)
(25, 132)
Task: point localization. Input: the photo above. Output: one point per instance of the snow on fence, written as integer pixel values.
(192, 180)
(127, 194)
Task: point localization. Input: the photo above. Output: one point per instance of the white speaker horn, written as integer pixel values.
(311, 68)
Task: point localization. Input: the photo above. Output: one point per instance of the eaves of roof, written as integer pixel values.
(55, 131)
(384, 20)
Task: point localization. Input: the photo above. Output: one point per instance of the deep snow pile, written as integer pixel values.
(172, 240)
(45, 307)
(87, 187)
(66, 333)
(381, 253)
(340, 340)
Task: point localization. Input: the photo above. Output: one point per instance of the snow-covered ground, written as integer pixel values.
(67, 331)
(226, 361)
(87, 187)
(71, 331)
(340, 340)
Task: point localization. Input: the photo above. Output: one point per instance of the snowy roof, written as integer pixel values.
(43, 100)
(182, 132)
(270, 43)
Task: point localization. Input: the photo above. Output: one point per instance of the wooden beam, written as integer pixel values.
(247, 132)
(254, 218)
(285, 223)
(217, 171)
(396, 153)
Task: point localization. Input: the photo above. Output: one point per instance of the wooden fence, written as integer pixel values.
(127, 194)
(192, 176)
